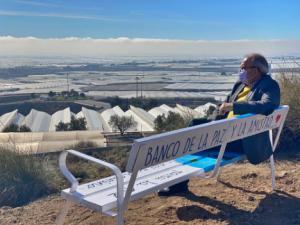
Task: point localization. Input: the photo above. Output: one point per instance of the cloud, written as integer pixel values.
(36, 3)
(42, 4)
(142, 47)
(60, 15)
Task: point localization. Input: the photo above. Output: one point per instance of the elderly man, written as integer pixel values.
(254, 92)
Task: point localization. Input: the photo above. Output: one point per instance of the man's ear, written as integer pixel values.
(258, 71)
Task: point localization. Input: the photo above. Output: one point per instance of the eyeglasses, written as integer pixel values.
(248, 67)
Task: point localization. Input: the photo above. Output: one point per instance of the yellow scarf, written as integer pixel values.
(242, 97)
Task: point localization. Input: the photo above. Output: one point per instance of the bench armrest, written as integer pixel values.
(74, 183)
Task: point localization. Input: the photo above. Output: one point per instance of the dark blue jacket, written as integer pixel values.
(263, 98)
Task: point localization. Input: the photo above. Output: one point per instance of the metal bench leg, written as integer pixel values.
(273, 172)
(218, 174)
(63, 213)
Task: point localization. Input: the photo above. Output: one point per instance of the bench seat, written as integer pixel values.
(165, 159)
(100, 195)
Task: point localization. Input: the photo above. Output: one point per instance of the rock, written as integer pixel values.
(4, 208)
(251, 199)
(249, 175)
(282, 174)
(289, 182)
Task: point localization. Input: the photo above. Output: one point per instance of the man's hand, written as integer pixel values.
(225, 107)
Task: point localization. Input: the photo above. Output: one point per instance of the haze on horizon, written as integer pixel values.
(137, 47)
(170, 28)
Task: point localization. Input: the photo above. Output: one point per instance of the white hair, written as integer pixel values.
(259, 61)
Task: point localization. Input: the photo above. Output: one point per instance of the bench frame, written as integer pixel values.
(134, 166)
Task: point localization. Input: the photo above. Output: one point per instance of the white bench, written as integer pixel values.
(159, 161)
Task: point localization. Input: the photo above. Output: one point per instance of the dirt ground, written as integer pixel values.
(242, 196)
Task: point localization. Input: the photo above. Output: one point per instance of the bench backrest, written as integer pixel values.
(153, 150)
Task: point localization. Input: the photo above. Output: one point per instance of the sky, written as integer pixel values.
(152, 27)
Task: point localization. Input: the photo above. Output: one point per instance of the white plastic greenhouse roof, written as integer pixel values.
(202, 109)
(18, 120)
(113, 111)
(105, 117)
(80, 115)
(39, 121)
(144, 115)
(188, 112)
(7, 118)
(157, 111)
(60, 116)
(141, 125)
(198, 86)
(168, 108)
(92, 119)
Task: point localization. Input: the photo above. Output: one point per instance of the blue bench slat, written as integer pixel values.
(207, 159)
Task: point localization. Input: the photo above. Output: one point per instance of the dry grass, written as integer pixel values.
(290, 95)
(23, 178)
(87, 171)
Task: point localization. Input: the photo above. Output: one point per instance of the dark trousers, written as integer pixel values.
(235, 146)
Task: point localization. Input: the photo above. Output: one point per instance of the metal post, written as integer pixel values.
(74, 182)
(272, 164)
(274, 145)
(273, 172)
(68, 83)
(216, 172)
(137, 86)
(141, 87)
(129, 190)
(63, 213)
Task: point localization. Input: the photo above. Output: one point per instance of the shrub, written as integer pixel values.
(290, 89)
(24, 128)
(73, 93)
(121, 123)
(61, 126)
(16, 128)
(51, 94)
(11, 128)
(23, 178)
(145, 103)
(173, 121)
(75, 124)
(87, 171)
(84, 145)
